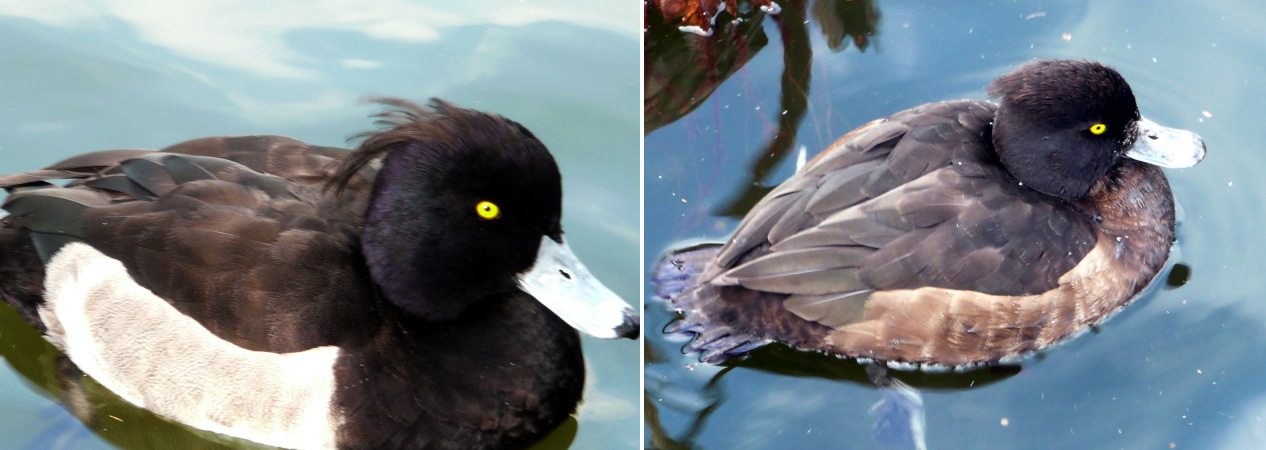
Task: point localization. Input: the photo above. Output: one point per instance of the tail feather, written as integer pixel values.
(715, 342)
(676, 277)
(680, 270)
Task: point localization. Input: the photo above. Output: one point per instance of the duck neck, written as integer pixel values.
(499, 377)
(1134, 206)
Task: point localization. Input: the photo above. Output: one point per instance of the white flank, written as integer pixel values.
(143, 349)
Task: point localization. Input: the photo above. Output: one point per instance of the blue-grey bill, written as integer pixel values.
(560, 282)
(1166, 147)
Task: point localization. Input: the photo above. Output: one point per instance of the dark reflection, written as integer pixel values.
(659, 437)
(649, 355)
(784, 360)
(113, 419)
(1178, 276)
(843, 21)
(561, 437)
(682, 69)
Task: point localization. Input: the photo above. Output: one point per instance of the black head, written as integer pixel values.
(459, 206)
(1062, 124)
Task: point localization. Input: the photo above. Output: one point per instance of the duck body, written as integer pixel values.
(912, 240)
(223, 284)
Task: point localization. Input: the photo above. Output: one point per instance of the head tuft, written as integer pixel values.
(439, 123)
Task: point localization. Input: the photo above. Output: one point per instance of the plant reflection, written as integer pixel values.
(683, 69)
(847, 20)
(797, 62)
(712, 400)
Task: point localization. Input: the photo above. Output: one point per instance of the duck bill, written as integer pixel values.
(1166, 147)
(560, 282)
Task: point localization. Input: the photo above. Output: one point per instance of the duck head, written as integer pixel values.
(1061, 125)
(465, 209)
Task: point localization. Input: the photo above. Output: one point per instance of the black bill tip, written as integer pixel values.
(631, 327)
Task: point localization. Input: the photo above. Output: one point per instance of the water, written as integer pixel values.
(143, 74)
(1182, 368)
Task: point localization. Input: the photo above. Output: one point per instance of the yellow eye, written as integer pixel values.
(488, 210)
(1098, 128)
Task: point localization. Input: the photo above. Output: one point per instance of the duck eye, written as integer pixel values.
(488, 210)
(1098, 128)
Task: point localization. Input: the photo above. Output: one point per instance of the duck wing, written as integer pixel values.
(906, 202)
(235, 232)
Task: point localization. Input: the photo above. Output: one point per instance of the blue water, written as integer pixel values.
(1181, 368)
(82, 76)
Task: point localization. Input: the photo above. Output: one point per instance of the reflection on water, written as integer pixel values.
(700, 16)
(682, 69)
(86, 76)
(844, 21)
(797, 61)
(1178, 369)
(784, 360)
(899, 415)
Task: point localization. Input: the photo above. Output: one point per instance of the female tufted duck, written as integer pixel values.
(951, 234)
(417, 295)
